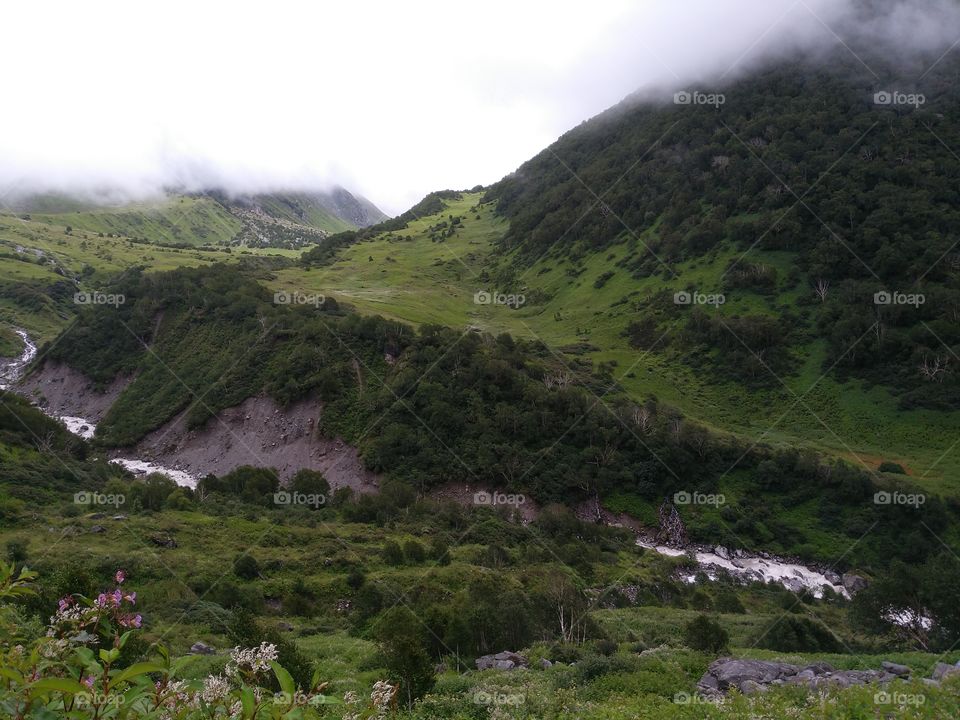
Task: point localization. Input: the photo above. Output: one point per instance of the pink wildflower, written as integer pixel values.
(120, 577)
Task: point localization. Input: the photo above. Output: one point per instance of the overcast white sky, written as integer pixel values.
(392, 99)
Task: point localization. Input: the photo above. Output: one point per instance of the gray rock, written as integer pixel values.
(819, 668)
(853, 583)
(97, 529)
(284, 626)
(931, 683)
(201, 648)
(942, 670)
(96, 516)
(708, 682)
(891, 667)
(832, 577)
(749, 687)
(544, 664)
(733, 672)
(501, 661)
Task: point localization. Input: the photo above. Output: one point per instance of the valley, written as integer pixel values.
(663, 423)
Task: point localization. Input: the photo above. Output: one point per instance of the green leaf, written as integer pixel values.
(66, 685)
(248, 703)
(284, 678)
(325, 700)
(137, 669)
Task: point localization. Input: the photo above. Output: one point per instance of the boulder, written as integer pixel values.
(505, 660)
(853, 583)
(730, 672)
(749, 687)
(97, 529)
(943, 670)
(544, 664)
(894, 668)
(163, 541)
(201, 648)
(284, 626)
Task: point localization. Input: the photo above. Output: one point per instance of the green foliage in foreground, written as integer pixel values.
(85, 666)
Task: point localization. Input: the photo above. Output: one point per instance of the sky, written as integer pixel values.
(389, 99)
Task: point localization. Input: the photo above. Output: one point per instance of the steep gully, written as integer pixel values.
(258, 432)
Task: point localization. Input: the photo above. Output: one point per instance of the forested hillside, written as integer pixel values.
(851, 169)
(426, 408)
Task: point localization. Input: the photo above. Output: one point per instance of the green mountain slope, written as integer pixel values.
(798, 185)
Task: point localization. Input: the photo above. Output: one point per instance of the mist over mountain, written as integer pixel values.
(511, 92)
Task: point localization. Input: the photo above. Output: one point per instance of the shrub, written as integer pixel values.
(246, 567)
(706, 635)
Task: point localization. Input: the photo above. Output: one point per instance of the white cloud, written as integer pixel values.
(391, 99)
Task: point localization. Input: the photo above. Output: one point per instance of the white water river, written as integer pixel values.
(12, 370)
(740, 565)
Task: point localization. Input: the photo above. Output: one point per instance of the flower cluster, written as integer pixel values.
(382, 696)
(251, 660)
(80, 622)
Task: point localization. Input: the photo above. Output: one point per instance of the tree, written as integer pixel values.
(414, 552)
(392, 554)
(246, 567)
(706, 635)
(400, 640)
(310, 482)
